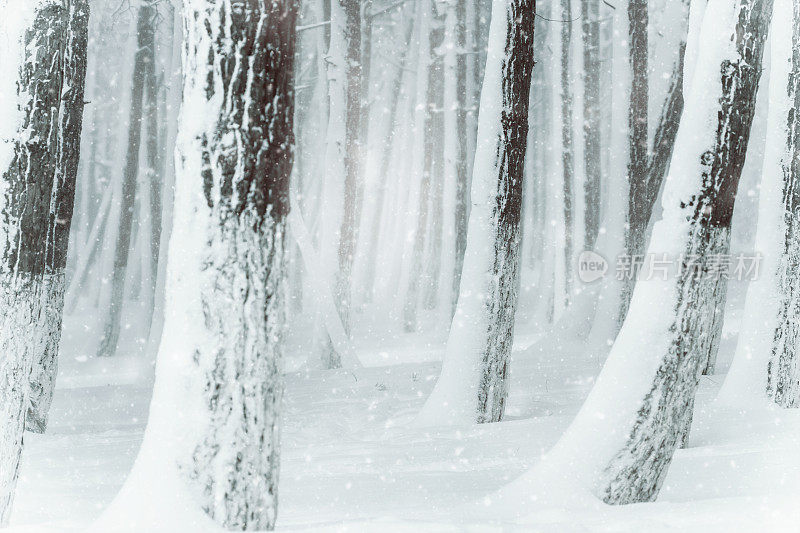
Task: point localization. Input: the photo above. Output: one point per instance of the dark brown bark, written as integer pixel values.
(501, 303)
(70, 126)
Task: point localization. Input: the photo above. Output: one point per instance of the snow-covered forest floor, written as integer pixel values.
(353, 459)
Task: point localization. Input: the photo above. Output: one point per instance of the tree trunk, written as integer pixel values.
(144, 43)
(227, 266)
(783, 370)
(473, 381)
(640, 408)
(153, 172)
(45, 366)
(638, 215)
(568, 158)
(770, 313)
(590, 25)
(423, 160)
(340, 211)
(30, 169)
(455, 151)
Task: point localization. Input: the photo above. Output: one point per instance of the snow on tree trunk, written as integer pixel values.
(45, 365)
(590, 26)
(472, 386)
(33, 46)
(145, 32)
(640, 409)
(340, 210)
(153, 171)
(771, 318)
(567, 153)
(212, 440)
(636, 224)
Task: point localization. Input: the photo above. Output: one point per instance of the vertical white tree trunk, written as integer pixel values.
(472, 386)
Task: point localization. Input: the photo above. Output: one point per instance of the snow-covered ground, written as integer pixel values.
(352, 460)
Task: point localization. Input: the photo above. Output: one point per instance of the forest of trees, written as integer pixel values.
(212, 200)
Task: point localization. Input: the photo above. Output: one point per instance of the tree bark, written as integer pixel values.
(28, 180)
(638, 215)
(567, 155)
(783, 370)
(228, 263)
(45, 366)
(473, 386)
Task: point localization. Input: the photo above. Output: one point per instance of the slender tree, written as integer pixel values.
(341, 210)
(473, 381)
(637, 217)
(70, 125)
(590, 28)
(145, 41)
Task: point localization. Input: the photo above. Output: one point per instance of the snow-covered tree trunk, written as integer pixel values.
(70, 118)
(472, 386)
(340, 209)
(590, 26)
(636, 224)
(771, 309)
(640, 409)
(153, 170)
(145, 36)
(567, 153)
(213, 434)
(33, 46)
(783, 371)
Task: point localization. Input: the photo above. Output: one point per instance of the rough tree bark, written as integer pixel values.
(783, 370)
(30, 164)
(145, 31)
(70, 125)
(473, 381)
(226, 276)
(567, 154)
(638, 159)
